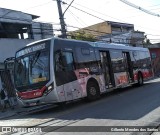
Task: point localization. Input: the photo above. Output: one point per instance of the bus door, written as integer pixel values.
(128, 66)
(107, 69)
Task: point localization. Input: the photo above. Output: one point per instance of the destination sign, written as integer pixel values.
(30, 49)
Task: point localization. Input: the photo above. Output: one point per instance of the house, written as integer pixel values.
(116, 32)
(16, 30)
(155, 55)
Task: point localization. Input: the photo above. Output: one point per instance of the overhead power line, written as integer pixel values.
(76, 18)
(85, 12)
(25, 9)
(152, 35)
(139, 8)
(37, 6)
(119, 40)
(68, 7)
(100, 32)
(103, 14)
(98, 12)
(88, 29)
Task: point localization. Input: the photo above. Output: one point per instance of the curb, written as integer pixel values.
(23, 111)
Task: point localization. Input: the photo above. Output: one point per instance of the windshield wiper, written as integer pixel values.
(35, 58)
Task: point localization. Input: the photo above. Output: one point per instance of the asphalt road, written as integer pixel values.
(132, 106)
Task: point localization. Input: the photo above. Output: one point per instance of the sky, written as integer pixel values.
(109, 10)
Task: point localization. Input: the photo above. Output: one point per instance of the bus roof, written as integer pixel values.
(97, 44)
(107, 45)
(39, 41)
(116, 46)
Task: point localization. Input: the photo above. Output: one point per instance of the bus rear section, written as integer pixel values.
(128, 66)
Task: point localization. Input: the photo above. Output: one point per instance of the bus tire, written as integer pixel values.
(140, 79)
(93, 91)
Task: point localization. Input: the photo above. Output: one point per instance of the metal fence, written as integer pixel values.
(7, 80)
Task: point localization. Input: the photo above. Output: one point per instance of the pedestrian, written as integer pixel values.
(4, 98)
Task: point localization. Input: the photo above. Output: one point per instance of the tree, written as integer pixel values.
(81, 35)
(147, 41)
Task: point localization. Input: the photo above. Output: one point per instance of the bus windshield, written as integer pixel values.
(32, 68)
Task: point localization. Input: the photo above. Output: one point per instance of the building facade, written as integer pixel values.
(133, 38)
(16, 30)
(116, 32)
(155, 55)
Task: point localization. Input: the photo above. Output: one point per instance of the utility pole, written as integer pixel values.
(61, 17)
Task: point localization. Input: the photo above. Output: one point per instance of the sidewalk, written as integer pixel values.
(7, 113)
(11, 112)
(20, 110)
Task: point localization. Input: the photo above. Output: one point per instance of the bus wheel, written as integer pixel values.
(140, 79)
(93, 92)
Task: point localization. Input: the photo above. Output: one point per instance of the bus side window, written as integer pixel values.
(148, 60)
(135, 59)
(117, 61)
(64, 61)
(58, 62)
(68, 60)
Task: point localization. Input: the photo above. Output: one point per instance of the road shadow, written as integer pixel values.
(129, 103)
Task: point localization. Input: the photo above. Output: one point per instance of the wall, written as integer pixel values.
(133, 38)
(14, 21)
(42, 30)
(99, 29)
(8, 47)
(36, 30)
(95, 30)
(155, 54)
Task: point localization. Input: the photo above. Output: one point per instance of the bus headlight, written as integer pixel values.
(48, 89)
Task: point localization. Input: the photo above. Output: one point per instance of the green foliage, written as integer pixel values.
(83, 36)
(147, 41)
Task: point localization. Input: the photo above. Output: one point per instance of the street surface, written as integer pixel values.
(132, 106)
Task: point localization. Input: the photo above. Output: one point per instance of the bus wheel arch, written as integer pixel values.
(93, 90)
(140, 78)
